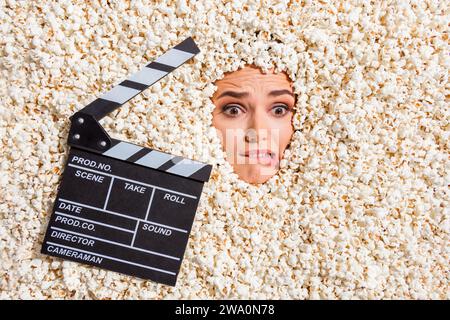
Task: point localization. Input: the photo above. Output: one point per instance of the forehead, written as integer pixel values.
(252, 76)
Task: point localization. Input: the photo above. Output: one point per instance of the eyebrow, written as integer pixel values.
(273, 93)
(276, 93)
(233, 94)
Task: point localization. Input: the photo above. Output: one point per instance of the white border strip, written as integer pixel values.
(108, 257)
(133, 181)
(116, 243)
(92, 221)
(122, 215)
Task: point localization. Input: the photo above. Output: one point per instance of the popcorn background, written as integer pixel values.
(360, 208)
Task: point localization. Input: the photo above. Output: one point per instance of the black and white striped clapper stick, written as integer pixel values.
(120, 206)
(143, 79)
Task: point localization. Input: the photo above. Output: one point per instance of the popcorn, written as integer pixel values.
(359, 208)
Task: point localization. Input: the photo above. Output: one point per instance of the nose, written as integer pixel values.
(257, 128)
(250, 136)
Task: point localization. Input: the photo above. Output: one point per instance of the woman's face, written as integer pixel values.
(253, 116)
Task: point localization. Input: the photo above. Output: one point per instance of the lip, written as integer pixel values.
(261, 156)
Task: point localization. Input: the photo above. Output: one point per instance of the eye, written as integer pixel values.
(280, 110)
(232, 110)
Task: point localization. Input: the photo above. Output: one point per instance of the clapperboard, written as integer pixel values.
(120, 206)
